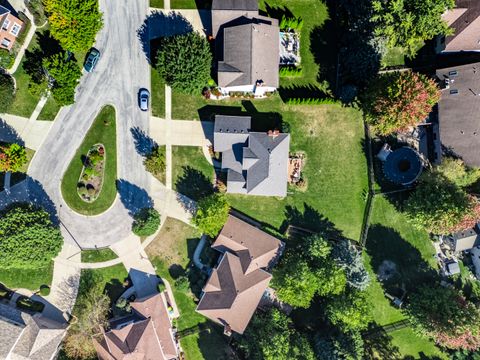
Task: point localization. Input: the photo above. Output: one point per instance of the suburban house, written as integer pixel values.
(458, 111)
(256, 162)
(11, 27)
(247, 48)
(236, 286)
(26, 336)
(145, 334)
(464, 19)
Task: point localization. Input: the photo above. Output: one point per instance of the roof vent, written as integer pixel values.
(228, 130)
(453, 73)
(454, 92)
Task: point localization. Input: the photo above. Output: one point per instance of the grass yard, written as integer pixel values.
(24, 102)
(174, 245)
(50, 110)
(156, 4)
(103, 130)
(27, 279)
(394, 57)
(191, 4)
(99, 255)
(411, 345)
(158, 94)
(192, 175)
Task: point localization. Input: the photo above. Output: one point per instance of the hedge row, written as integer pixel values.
(291, 71)
(311, 101)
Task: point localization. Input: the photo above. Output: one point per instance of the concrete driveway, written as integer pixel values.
(182, 132)
(121, 71)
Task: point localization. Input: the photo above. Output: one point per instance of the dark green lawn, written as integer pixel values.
(27, 279)
(50, 110)
(156, 4)
(190, 4)
(192, 175)
(158, 94)
(103, 130)
(100, 255)
(25, 102)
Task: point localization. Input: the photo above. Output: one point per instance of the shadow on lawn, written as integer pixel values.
(387, 244)
(133, 197)
(276, 12)
(33, 62)
(144, 144)
(378, 344)
(193, 183)
(157, 25)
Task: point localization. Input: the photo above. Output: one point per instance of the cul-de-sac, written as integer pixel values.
(239, 179)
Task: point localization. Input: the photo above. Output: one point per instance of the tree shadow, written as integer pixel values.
(8, 134)
(301, 92)
(176, 270)
(276, 12)
(194, 184)
(411, 269)
(378, 344)
(114, 289)
(133, 197)
(157, 25)
(33, 61)
(144, 144)
(188, 204)
(324, 47)
(213, 344)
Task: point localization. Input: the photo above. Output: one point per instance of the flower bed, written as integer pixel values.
(91, 178)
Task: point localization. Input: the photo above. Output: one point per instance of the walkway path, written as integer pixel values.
(30, 131)
(167, 132)
(39, 108)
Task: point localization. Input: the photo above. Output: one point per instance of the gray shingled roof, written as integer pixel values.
(248, 5)
(250, 53)
(257, 163)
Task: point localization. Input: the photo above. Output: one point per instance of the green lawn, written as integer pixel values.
(394, 57)
(27, 279)
(25, 102)
(190, 4)
(156, 4)
(103, 130)
(100, 255)
(158, 94)
(192, 175)
(50, 110)
(410, 344)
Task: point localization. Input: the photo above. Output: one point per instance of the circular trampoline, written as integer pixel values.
(403, 166)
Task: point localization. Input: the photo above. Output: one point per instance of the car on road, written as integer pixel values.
(92, 60)
(143, 98)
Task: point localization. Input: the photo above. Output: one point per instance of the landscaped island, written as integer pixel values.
(88, 185)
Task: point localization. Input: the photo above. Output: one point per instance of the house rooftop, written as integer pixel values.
(464, 19)
(458, 111)
(465, 239)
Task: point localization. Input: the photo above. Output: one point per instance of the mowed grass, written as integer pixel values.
(24, 103)
(410, 344)
(190, 4)
(27, 278)
(157, 94)
(103, 131)
(99, 255)
(50, 110)
(156, 4)
(192, 175)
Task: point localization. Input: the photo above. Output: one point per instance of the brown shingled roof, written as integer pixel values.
(236, 286)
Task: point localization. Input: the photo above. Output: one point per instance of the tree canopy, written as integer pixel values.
(271, 336)
(446, 316)
(74, 23)
(437, 204)
(7, 92)
(66, 73)
(408, 23)
(308, 270)
(185, 61)
(28, 238)
(212, 213)
(457, 172)
(351, 260)
(394, 101)
(146, 222)
(12, 157)
(350, 311)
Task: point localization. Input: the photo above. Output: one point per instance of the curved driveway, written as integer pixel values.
(119, 74)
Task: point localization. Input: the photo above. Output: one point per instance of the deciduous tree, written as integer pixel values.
(446, 316)
(184, 61)
(28, 238)
(12, 157)
(350, 311)
(66, 74)
(146, 222)
(74, 23)
(212, 213)
(397, 100)
(457, 172)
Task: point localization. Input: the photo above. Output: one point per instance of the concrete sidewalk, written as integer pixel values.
(31, 132)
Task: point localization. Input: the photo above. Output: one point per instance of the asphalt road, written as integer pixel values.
(121, 71)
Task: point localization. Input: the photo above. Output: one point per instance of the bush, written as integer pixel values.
(182, 283)
(7, 92)
(161, 287)
(457, 172)
(44, 290)
(311, 101)
(6, 58)
(12, 157)
(146, 222)
(155, 161)
(290, 71)
(36, 8)
(184, 62)
(212, 213)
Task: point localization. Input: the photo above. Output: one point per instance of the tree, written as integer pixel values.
(28, 238)
(146, 222)
(212, 213)
(457, 172)
(7, 92)
(155, 161)
(446, 316)
(74, 23)
(271, 336)
(437, 204)
(184, 61)
(12, 157)
(348, 257)
(91, 311)
(66, 74)
(408, 23)
(397, 100)
(306, 270)
(350, 311)
(345, 346)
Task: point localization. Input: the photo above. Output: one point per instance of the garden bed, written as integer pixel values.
(93, 172)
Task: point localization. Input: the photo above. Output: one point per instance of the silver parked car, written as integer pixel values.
(143, 98)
